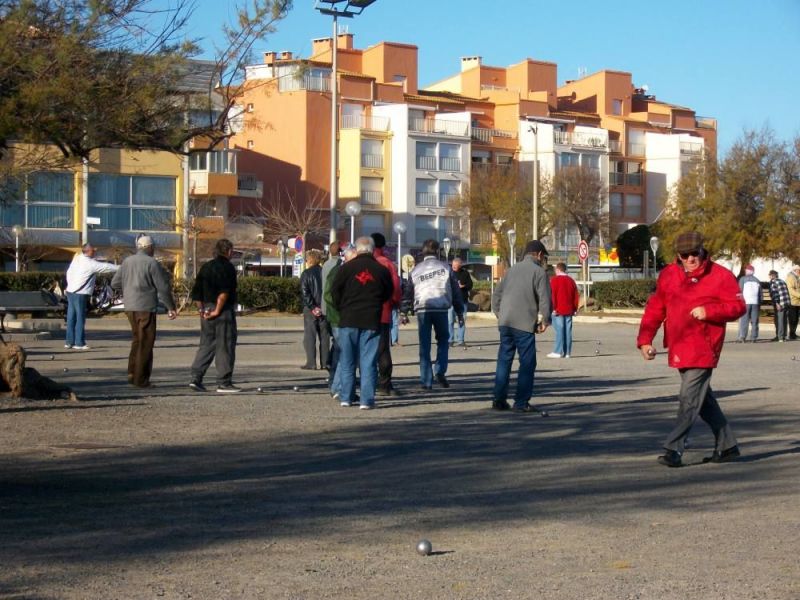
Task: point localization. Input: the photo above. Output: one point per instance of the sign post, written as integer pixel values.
(583, 255)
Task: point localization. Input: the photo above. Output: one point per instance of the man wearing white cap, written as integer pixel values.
(143, 282)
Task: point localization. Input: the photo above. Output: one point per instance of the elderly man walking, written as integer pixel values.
(143, 282)
(520, 300)
(80, 285)
(793, 283)
(694, 299)
(779, 294)
(358, 292)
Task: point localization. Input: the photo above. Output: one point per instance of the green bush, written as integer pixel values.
(270, 293)
(29, 281)
(630, 293)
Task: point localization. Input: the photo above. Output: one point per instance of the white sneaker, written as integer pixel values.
(554, 355)
(80, 347)
(68, 346)
(566, 356)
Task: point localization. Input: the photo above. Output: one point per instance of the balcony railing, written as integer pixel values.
(372, 161)
(306, 82)
(636, 149)
(705, 123)
(427, 199)
(371, 197)
(369, 123)
(691, 149)
(616, 178)
(614, 146)
(580, 138)
(427, 163)
(446, 199)
(633, 179)
(447, 163)
(439, 126)
(497, 88)
(482, 134)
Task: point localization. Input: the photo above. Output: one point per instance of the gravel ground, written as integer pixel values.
(283, 494)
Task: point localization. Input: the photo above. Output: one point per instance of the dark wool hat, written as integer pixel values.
(379, 239)
(691, 241)
(535, 246)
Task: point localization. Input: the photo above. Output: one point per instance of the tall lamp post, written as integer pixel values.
(17, 230)
(534, 129)
(282, 244)
(446, 243)
(399, 229)
(353, 209)
(654, 248)
(512, 240)
(336, 9)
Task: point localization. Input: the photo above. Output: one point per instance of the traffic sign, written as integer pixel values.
(583, 251)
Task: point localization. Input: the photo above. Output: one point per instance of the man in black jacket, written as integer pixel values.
(459, 327)
(214, 293)
(315, 326)
(358, 292)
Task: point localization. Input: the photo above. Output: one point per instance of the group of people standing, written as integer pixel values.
(785, 298)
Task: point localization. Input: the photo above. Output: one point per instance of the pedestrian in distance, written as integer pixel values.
(214, 293)
(431, 291)
(458, 330)
(750, 287)
(521, 302)
(793, 283)
(143, 283)
(316, 333)
(385, 365)
(693, 300)
(81, 276)
(332, 316)
(334, 260)
(358, 292)
(779, 294)
(565, 300)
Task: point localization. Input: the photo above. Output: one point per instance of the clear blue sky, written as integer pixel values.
(735, 60)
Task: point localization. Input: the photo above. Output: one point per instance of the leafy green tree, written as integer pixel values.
(745, 206)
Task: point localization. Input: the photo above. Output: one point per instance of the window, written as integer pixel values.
(591, 161)
(426, 192)
(633, 173)
(250, 107)
(426, 156)
(448, 191)
(569, 159)
(215, 161)
(132, 203)
(615, 204)
(450, 157)
(250, 144)
(616, 106)
(425, 228)
(45, 201)
(504, 159)
(372, 154)
(370, 224)
(633, 206)
(371, 191)
(480, 157)
(616, 173)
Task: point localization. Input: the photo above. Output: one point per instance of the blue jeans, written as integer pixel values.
(456, 331)
(438, 321)
(750, 317)
(77, 306)
(562, 327)
(395, 326)
(513, 341)
(358, 346)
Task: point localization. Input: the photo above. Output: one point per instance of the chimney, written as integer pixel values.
(344, 41)
(285, 55)
(320, 46)
(269, 58)
(469, 62)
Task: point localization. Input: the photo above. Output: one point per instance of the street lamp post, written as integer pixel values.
(283, 244)
(654, 248)
(399, 229)
(17, 230)
(512, 240)
(535, 230)
(336, 9)
(446, 243)
(353, 209)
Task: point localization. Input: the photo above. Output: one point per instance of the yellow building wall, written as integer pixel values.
(349, 165)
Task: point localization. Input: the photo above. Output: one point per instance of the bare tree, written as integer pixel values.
(284, 214)
(576, 196)
(31, 247)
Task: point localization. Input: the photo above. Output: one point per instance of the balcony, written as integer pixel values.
(636, 149)
(427, 199)
(371, 198)
(446, 199)
(427, 163)
(306, 82)
(439, 127)
(364, 122)
(614, 146)
(633, 179)
(691, 149)
(582, 139)
(452, 164)
(487, 136)
(705, 123)
(372, 161)
(205, 183)
(249, 186)
(616, 179)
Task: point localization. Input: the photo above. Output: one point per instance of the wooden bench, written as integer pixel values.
(37, 303)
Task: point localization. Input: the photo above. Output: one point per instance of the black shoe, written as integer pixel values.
(384, 392)
(775, 339)
(442, 380)
(198, 386)
(670, 458)
(530, 408)
(309, 367)
(728, 455)
(500, 405)
(426, 388)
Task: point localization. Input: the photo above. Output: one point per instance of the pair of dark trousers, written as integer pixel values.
(313, 329)
(140, 360)
(793, 314)
(385, 365)
(218, 344)
(697, 399)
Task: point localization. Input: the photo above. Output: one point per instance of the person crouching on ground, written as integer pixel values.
(694, 299)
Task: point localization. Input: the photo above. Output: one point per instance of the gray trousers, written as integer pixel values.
(218, 345)
(316, 329)
(696, 399)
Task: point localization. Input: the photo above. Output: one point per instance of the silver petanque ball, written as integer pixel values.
(296, 389)
(597, 351)
(480, 348)
(65, 369)
(424, 547)
(52, 357)
(794, 358)
(260, 390)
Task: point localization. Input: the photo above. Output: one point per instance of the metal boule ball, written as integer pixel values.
(52, 357)
(260, 390)
(424, 547)
(544, 413)
(65, 369)
(480, 348)
(794, 358)
(597, 351)
(296, 389)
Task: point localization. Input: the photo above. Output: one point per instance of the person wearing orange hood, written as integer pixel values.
(694, 299)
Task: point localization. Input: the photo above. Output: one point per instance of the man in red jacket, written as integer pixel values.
(694, 298)
(565, 299)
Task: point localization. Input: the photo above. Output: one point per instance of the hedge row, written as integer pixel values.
(628, 293)
(29, 281)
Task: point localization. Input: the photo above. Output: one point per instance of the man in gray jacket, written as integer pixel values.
(519, 301)
(143, 283)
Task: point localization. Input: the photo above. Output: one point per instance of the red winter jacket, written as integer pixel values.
(692, 344)
(564, 294)
(394, 301)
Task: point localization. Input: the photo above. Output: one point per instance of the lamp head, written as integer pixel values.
(352, 208)
(399, 228)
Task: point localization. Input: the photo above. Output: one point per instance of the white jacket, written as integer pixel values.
(82, 271)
